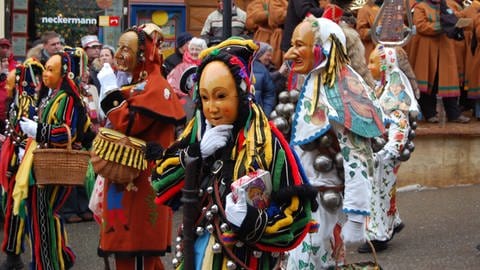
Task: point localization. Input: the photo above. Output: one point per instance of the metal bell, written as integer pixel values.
(414, 125)
(405, 155)
(323, 163)
(178, 239)
(178, 247)
(339, 160)
(239, 244)
(209, 215)
(283, 97)
(175, 262)
(257, 254)
(210, 228)
(210, 190)
(216, 248)
(200, 192)
(179, 254)
(282, 124)
(326, 141)
(294, 94)
(231, 265)
(224, 227)
(289, 108)
(410, 146)
(199, 231)
(412, 134)
(341, 173)
(377, 144)
(279, 109)
(214, 209)
(273, 114)
(331, 200)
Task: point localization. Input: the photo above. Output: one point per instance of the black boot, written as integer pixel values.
(13, 262)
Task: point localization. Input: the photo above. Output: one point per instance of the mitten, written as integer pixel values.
(29, 127)
(236, 211)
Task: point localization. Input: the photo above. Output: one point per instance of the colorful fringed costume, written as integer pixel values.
(27, 83)
(61, 106)
(264, 234)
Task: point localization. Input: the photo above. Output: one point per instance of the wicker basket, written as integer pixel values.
(60, 166)
(117, 157)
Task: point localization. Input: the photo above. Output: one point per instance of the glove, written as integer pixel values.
(21, 153)
(353, 231)
(236, 212)
(29, 127)
(107, 79)
(214, 139)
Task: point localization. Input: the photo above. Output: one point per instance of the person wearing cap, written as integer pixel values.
(181, 45)
(92, 46)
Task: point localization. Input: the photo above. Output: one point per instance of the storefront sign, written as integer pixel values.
(65, 20)
(108, 20)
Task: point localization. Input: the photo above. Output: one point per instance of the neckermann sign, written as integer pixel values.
(68, 20)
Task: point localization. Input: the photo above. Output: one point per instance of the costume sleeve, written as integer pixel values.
(277, 10)
(397, 134)
(168, 175)
(363, 24)
(61, 110)
(257, 14)
(427, 24)
(286, 221)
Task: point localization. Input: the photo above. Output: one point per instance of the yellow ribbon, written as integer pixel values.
(20, 191)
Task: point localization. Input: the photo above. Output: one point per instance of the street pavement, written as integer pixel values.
(441, 232)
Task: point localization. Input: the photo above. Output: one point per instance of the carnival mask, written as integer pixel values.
(302, 50)
(126, 55)
(52, 75)
(218, 94)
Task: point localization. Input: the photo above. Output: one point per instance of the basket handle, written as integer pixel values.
(69, 134)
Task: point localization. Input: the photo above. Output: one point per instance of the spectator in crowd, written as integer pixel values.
(297, 10)
(265, 94)
(181, 45)
(92, 47)
(6, 65)
(257, 20)
(212, 30)
(51, 44)
(432, 57)
(180, 78)
(365, 18)
(277, 11)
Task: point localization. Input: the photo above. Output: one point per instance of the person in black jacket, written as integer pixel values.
(296, 11)
(176, 58)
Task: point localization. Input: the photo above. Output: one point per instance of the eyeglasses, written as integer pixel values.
(98, 47)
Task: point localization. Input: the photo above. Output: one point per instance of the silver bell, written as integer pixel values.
(279, 109)
(210, 190)
(200, 192)
(289, 108)
(294, 94)
(412, 134)
(209, 215)
(282, 124)
(216, 248)
(178, 239)
(323, 163)
(224, 227)
(178, 247)
(231, 265)
(283, 97)
(199, 231)
(410, 146)
(179, 254)
(325, 141)
(214, 209)
(405, 155)
(210, 228)
(414, 125)
(339, 160)
(331, 200)
(273, 115)
(257, 254)
(175, 262)
(377, 144)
